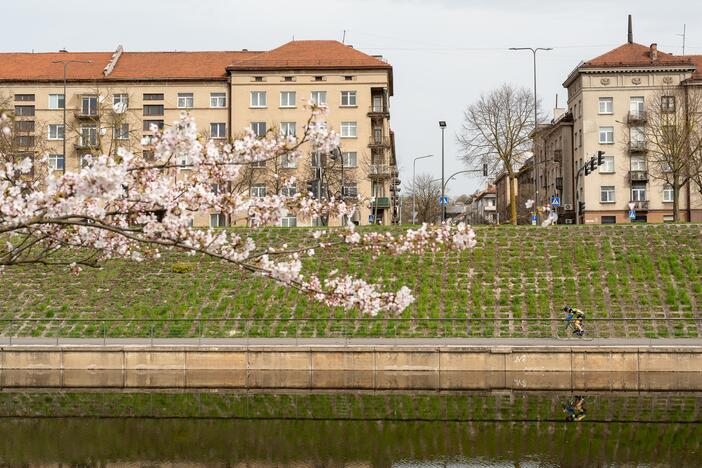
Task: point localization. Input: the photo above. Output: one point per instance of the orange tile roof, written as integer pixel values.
(697, 60)
(311, 55)
(632, 54)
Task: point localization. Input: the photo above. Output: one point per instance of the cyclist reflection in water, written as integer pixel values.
(575, 409)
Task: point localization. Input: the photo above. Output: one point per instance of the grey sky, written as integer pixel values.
(444, 52)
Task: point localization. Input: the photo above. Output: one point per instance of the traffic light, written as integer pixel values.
(600, 158)
(485, 169)
(312, 187)
(587, 168)
(593, 164)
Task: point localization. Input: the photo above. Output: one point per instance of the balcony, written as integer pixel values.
(89, 114)
(379, 142)
(637, 146)
(636, 117)
(379, 171)
(640, 205)
(381, 202)
(557, 155)
(638, 176)
(378, 111)
(86, 144)
(559, 184)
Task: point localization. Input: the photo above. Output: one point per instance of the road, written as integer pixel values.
(414, 342)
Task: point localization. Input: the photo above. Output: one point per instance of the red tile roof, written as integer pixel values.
(632, 54)
(697, 60)
(316, 55)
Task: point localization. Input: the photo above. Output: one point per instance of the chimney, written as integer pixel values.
(654, 51)
(630, 35)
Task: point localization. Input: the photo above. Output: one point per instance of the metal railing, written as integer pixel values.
(341, 327)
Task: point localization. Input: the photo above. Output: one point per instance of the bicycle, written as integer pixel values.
(570, 332)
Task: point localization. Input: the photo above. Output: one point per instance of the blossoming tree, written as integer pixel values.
(132, 206)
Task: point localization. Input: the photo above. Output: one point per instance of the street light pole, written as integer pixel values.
(414, 185)
(442, 125)
(65, 99)
(534, 50)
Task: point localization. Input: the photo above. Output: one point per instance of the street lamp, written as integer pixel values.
(442, 125)
(414, 186)
(336, 154)
(65, 98)
(534, 50)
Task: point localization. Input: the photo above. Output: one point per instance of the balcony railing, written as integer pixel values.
(559, 183)
(86, 113)
(380, 170)
(381, 202)
(637, 146)
(638, 176)
(378, 142)
(636, 117)
(378, 111)
(640, 204)
(86, 144)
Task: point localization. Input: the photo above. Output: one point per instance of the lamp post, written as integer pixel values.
(414, 186)
(65, 99)
(534, 50)
(442, 125)
(336, 154)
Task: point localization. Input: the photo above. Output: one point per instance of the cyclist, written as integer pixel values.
(576, 317)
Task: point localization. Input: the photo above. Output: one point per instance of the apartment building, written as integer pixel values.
(113, 99)
(503, 208)
(608, 98)
(483, 209)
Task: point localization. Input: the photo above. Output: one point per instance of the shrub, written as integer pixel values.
(182, 267)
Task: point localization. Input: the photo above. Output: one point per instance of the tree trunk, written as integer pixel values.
(676, 205)
(513, 199)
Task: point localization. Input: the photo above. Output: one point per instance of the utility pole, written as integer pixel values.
(442, 125)
(65, 98)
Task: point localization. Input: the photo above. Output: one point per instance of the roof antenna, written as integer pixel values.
(683, 37)
(343, 39)
(630, 35)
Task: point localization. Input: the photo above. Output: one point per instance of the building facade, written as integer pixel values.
(608, 98)
(113, 99)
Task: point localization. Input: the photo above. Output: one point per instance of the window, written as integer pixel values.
(57, 162)
(288, 129)
(318, 78)
(217, 220)
(606, 135)
(148, 155)
(25, 141)
(666, 167)
(56, 101)
(121, 99)
(24, 97)
(609, 220)
(638, 163)
(575, 111)
(606, 105)
(580, 138)
(318, 97)
(350, 158)
(55, 131)
(348, 129)
(24, 126)
(185, 100)
(608, 166)
(668, 218)
(218, 130)
(348, 99)
(286, 162)
(668, 103)
(88, 135)
(349, 189)
(258, 190)
(668, 194)
(636, 106)
(24, 111)
(348, 78)
(316, 158)
(218, 99)
(288, 221)
(638, 191)
(259, 128)
(637, 136)
(580, 109)
(607, 194)
(258, 99)
(258, 78)
(288, 78)
(153, 109)
(121, 132)
(289, 190)
(153, 97)
(287, 99)
(89, 105)
(149, 123)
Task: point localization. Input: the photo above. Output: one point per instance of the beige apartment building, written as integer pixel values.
(608, 98)
(113, 99)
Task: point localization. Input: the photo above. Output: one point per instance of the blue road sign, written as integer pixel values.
(443, 201)
(632, 214)
(371, 218)
(533, 219)
(555, 201)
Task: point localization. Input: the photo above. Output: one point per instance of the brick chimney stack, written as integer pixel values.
(654, 51)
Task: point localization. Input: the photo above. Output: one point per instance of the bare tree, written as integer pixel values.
(426, 191)
(27, 138)
(673, 135)
(496, 132)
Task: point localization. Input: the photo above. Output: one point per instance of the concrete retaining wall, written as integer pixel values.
(375, 367)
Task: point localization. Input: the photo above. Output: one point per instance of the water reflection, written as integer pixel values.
(575, 409)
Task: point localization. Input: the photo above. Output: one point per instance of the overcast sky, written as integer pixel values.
(444, 52)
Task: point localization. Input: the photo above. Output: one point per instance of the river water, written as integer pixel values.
(215, 428)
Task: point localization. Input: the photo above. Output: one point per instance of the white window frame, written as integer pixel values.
(254, 127)
(350, 98)
(608, 166)
(668, 194)
(288, 129)
(318, 97)
(285, 163)
(258, 100)
(637, 163)
(349, 190)
(606, 106)
(289, 190)
(120, 98)
(637, 105)
(53, 161)
(350, 158)
(221, 220)
(218, 100)
(288, 221)
(119, 133)
(606, 132)
(219, 126)
(58, 97)
(91, 129)
(258, 190)
(349, 130)
(89, 99)
(607, 194)
(59, 133)
(186, 100)
(638, 190)
(285, 99)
